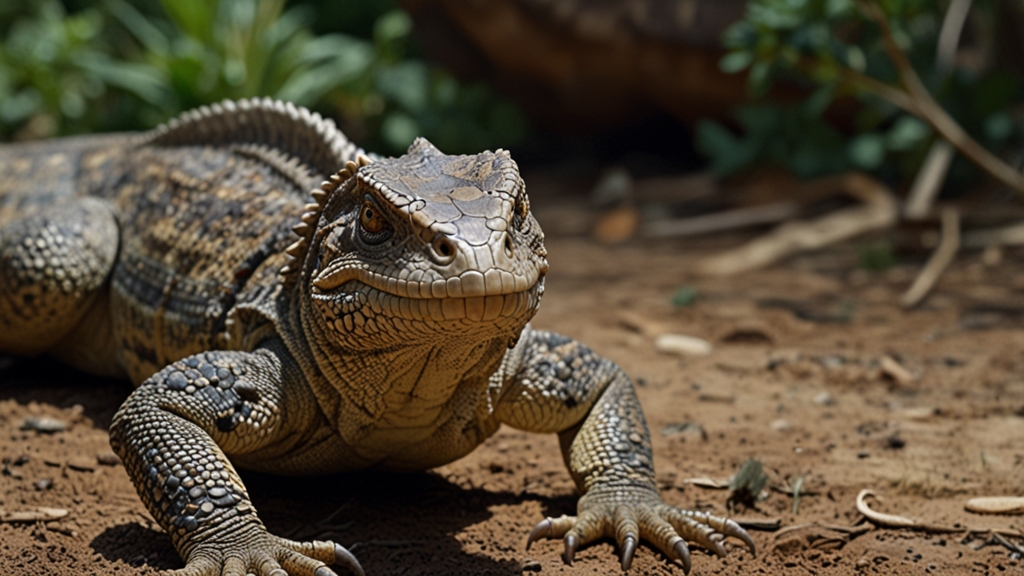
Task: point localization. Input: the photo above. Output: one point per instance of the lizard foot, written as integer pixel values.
(276, 557)
(629, 516)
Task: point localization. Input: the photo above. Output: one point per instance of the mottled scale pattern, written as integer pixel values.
(196, 225)
(290, 305)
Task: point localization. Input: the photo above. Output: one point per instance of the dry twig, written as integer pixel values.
(878, 211)
(940, 259)
(918, 101)
(725, 220)
(936, 164)
(893, 521)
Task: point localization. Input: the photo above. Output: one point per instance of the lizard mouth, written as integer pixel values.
(471, 284)
(438, 300)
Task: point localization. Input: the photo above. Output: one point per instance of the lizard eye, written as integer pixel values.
(372, 223)
(520, 211)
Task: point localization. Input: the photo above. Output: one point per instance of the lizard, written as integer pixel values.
(286, 303)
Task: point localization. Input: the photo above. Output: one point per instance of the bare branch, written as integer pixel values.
(930, 111)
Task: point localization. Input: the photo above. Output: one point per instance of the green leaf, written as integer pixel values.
(735, 61)
(407, 84)
(759, 79)
(684, 297)
(392, 27)
(728, 153)
(907, 133)
(139, 26)
(999, 126)
(818, 102)
(399, 130)
(194, 17)
(835, 9)
(20, 106)
(867, 151)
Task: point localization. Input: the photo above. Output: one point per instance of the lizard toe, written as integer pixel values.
(313, 558)
(550, 528)
(627, 533)
(705, 529)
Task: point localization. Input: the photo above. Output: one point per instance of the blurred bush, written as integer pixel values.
(100, 65)
(830, 47)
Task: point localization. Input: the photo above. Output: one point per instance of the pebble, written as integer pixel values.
(82, 464)
(682, 345)
(895, 370)
(685, 429)
(616, 225)
(996, 505)
(823, 398)
(108, 459)
(781, 425)
(532, 566)
(44, 424)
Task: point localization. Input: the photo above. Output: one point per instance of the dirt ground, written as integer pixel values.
(795, 380)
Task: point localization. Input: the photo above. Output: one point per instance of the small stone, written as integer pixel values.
(616, 225)
(532, 566)
(716, 397)
(920, 413)
(44, 424)
(682, 345)
(894, 370)
(689, 430)
(996, 505)
(108, 459)
(823, 398)
(43, 484)
(895, 442)
(781, 425)
(82, 464)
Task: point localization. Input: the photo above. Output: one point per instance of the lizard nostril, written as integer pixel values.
(444, 250)
(508, 246)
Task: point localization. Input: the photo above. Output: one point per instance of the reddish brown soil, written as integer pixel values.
(793, 381)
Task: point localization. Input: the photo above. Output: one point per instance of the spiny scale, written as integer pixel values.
(296, 251)
(292, 130)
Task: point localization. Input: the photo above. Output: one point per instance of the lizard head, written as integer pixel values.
(424, 246)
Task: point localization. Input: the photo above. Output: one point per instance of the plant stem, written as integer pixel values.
(918, 101)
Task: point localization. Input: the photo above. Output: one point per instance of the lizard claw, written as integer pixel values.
(342, 557)
(541, 530)
(571, 542)
(731, 528)
(550, 528)
(644, 516)
(683, 552)
(628, 549)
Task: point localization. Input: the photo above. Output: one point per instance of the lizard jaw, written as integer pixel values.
(469, 284)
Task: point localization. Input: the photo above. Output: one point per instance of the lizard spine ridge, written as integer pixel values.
(290, 129)
(307, 226)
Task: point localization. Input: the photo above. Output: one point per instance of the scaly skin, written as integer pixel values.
(383, 323)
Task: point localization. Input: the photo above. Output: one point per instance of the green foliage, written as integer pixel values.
(684, 296)
(130, 65)
(837, 48)
(877, 256)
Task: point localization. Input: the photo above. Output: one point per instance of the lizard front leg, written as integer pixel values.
(53, 265)
(558, 385)
(173, 434)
